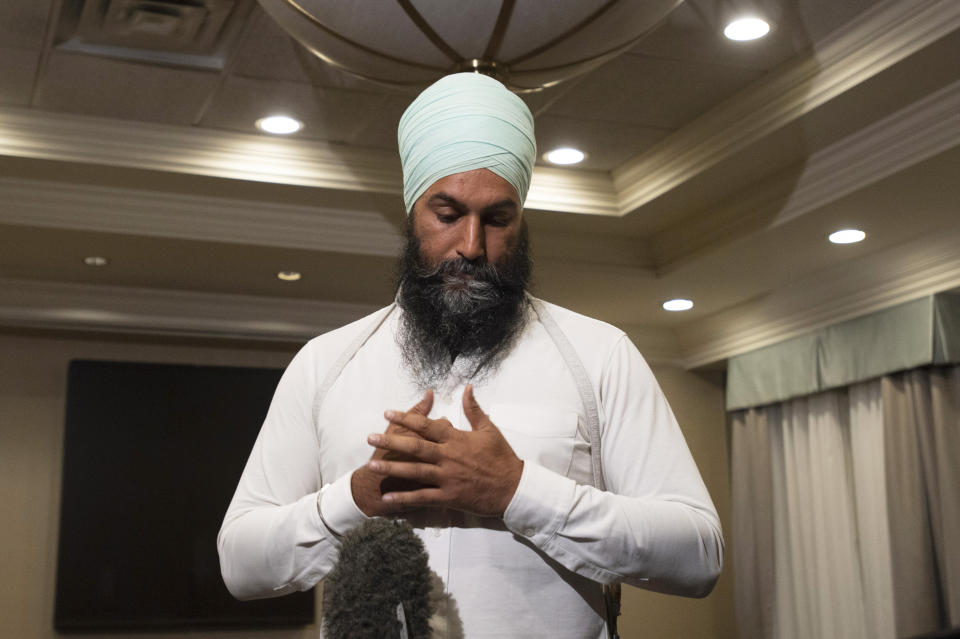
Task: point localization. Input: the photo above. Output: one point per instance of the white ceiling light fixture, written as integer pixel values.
(746, 28)
(411, 43)
(279, 124)
(95, 260)
(564, 155)
(847, 236)
(288, 276)
(677, 305)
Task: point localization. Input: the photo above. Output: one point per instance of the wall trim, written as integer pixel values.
(53, 305)
(39, 203)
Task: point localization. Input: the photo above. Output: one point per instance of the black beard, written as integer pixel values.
(473, 309)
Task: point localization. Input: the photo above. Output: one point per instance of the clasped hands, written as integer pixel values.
(427, 463)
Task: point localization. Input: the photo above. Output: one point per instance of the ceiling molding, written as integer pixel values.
(103, 308)
(881, 37)
(158, 147)
(916, 133)
(915, 269)
(588, 192)
(159, 214)
(52, 305)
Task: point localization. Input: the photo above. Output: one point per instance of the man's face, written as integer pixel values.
(474, 215)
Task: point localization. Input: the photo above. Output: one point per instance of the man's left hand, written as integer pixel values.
(474, 471)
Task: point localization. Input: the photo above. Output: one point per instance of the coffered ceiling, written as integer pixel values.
(714, 171)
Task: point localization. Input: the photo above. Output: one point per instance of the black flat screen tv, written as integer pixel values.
(152, 456)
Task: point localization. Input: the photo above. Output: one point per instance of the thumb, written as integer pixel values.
(471, 408)
(424, 405)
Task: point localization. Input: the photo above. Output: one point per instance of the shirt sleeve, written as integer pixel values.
(273, 539)
(655, 526)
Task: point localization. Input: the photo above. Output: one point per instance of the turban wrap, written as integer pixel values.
(463, 122)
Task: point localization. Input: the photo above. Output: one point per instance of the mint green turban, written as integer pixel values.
(463, 122)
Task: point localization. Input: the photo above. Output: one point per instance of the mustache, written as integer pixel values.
(461, 272)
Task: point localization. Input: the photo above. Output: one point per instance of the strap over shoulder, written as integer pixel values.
(375, 321)
(581, 379)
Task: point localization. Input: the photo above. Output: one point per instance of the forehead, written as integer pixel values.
(476, 187)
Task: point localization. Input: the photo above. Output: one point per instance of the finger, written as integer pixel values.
(471, 408)
(424, 405)
(419, 472)
(414, 447)
(416, 498)
(435, 430)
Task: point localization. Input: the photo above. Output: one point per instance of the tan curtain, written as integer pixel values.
(846, 510)
(752, 527)
(922, 411)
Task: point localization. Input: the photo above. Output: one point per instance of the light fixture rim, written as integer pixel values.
(96, 260)
(679, 304)
(546, 156)
(263, 123)
(289, 275)
(749, 17)
(848, 235)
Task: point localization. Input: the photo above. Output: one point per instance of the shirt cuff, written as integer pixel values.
(541, 504)
(339, 513)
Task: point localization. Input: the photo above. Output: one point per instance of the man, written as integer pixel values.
(515, 411)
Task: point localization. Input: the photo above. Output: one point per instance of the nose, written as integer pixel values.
(471, 241)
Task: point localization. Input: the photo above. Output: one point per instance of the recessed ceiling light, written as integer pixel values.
(565, 155)
(678, 304)
(288, 276)
(742, 29)
(95, 260)
(847, 236)
(279, 124)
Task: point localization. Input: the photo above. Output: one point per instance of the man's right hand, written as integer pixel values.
(368, 487)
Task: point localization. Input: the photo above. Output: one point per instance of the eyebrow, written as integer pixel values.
(446, 198)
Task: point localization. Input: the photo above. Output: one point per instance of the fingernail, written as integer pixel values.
(389, 498)
(391, 415)
(375, 466)
(373, 439)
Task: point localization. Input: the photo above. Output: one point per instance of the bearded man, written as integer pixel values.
(537, 458)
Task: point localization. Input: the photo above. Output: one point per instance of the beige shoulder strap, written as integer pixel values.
(334, 371)
(581, 379)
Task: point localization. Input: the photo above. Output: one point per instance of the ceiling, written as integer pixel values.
(714, 171)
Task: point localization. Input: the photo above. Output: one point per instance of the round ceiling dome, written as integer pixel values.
(527, 44)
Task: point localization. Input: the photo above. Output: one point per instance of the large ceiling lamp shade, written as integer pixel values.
(527, 44)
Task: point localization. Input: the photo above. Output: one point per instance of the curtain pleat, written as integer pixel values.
(819, 592)
(945, 397)
(922, 453)
(870, 502)
(753, 532)
(847, 510)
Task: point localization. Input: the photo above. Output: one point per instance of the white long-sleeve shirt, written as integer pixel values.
(536, 572)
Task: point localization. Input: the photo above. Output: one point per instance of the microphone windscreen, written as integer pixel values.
(382, 563)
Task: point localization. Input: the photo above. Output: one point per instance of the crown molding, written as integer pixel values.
(878, 39)
(916, 133)
(34, 134)
(159, 214)
(921, 267)
(120, 309)
(53, 305)
(160, 147)
(587, 192)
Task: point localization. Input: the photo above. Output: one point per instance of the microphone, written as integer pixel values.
(380, 587)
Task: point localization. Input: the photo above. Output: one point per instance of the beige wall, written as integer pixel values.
(33, 372)
(699, 407)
